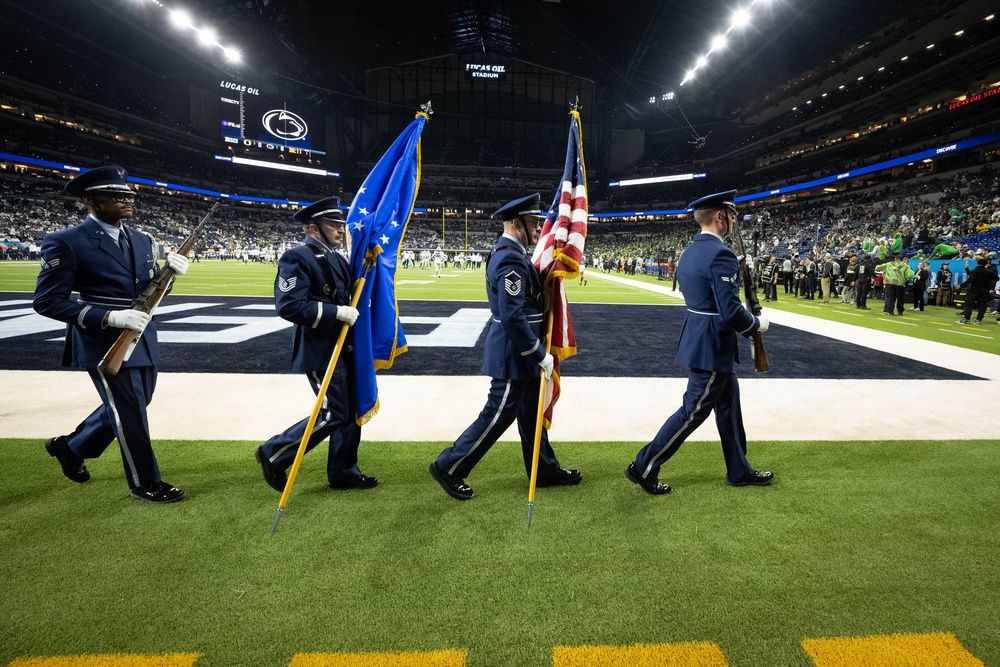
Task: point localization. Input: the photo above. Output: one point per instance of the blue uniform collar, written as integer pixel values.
(712, 234)
(515, 240)
(110, 230)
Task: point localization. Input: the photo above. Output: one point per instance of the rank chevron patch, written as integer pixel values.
(512, 283)
(287, 285)
(49, 265)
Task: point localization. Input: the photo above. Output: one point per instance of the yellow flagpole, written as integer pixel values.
(538, 421)
(321, 396)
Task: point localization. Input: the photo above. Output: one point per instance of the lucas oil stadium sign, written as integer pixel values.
(486, 71)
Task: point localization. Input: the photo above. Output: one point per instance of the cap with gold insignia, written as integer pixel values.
(725, 199)
(524, 206)
(328, 207)
(102, 179)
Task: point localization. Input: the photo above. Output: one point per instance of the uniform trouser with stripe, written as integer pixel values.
(335, 421)
(508, 400)
(706, 390)
(122, 416)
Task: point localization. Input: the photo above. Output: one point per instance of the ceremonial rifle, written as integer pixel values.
(147, 303)
(753, 304)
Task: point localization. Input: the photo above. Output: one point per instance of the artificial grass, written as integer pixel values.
(853, 539)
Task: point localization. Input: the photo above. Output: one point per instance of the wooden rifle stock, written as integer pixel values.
(147, 302)
(753, 303)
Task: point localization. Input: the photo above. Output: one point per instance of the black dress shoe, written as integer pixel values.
(759, 478)
(649, 484)
(71, 464)
(453, 486)
(562, 477)
(354, 482)
(274, 476)
(158, 492)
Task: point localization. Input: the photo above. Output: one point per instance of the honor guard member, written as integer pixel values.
(710, 282)
(109, 265)
(513, 357)
(313, 291)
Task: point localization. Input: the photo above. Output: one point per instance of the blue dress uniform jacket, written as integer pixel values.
(513, 348)
(304, 296)
(86, 260)
(710, 278)
(312, 282)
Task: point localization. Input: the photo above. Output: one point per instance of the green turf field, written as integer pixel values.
(853, 539)
(215, 278)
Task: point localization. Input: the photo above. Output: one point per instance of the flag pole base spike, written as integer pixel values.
(277, 516)
(530, 506)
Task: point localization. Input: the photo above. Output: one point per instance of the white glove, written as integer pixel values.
(347, 314)
(764, 324)
(177, 262)
(136, 320)
(546, 365)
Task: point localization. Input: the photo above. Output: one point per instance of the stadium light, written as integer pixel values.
(652, 100)
(823, 95)
(718, 42)
(180, 18)
(795, 108)
(688, 76)
(882, 68)
(842, 86)
(904, 58)
(930, 46)
(668, 96)
(959, 33)
(741, 18)
(701, 62)
(232, 55)
(206, 37)
(990, 17)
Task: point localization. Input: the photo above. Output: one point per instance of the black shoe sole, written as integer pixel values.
(345, 486)
(165, 501)
(436, 474)
(740, 484)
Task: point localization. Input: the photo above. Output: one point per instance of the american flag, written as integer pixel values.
(559, 252)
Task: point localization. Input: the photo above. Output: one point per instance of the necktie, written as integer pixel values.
(123, 242)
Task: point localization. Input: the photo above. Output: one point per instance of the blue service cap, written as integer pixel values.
(102, 179)
(725, 199)
(523, 206)
(328, 207)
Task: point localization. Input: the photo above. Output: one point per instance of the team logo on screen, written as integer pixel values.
(285, 125)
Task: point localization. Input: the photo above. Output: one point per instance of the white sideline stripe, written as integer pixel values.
(773, 408)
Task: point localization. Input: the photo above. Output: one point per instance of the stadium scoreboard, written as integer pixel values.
(253, 120)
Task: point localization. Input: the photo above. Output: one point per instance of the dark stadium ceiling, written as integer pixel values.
(632, 50)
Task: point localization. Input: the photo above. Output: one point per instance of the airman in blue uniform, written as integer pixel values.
(514, 357)
(709, 278)
(313, 291)
(109, 265)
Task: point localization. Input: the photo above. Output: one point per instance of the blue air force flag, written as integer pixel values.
(376, 223)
